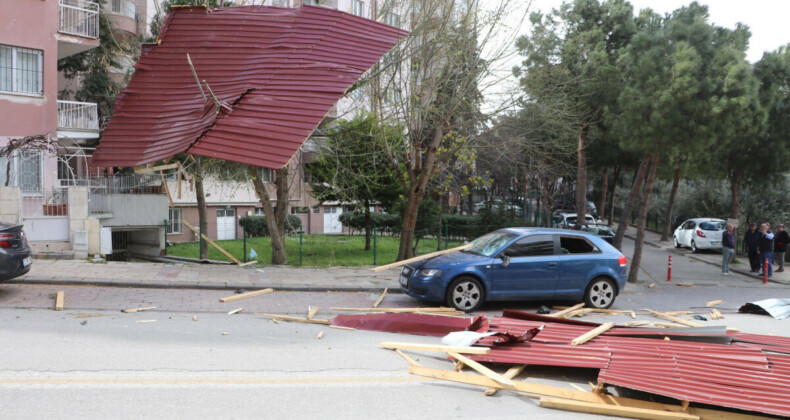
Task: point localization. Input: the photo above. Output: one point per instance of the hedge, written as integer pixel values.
(256, 226)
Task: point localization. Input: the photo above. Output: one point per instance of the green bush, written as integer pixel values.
(384, 222)
(256, 226)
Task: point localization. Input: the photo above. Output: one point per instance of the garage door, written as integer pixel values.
(226, 224)
(332, 220)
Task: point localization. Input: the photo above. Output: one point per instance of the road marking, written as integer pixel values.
(190, 381)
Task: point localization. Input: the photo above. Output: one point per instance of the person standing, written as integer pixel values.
(781, 239)
(727, 249)
(751, 240)
(765, 247)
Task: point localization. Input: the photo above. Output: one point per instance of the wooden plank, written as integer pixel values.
(295, 319)
(673, 318)
(633, 314)
(380, 299)
(235, 311)
(572, 394)
(397, 310)
(714, 303)
(132, 310)
(566, 311)
(210, 242)
(716, 312)
(246, 295)
(59, 297)
(669, 325)
(179, 184)
(155, 168)
(421, 257)
(338, 327)
(248, 263)
(578, 312)
(603, 311)
(589, 335)
(434, 347)
(510, 374)
(320, 335)
(481, 369)
(686, 284)
(167, 189)
(676, 313)
(408, 359)
(612, 410)
(311, 311)
(636, 323)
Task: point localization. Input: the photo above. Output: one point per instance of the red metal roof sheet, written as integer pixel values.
(280, 71)
(418, 324)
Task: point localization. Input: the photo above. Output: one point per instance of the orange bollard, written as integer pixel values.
(669, 269)
(765, 271)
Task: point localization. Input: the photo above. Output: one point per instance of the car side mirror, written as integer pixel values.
(505, 260)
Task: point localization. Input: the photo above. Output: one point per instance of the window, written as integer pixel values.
(174, 221)
(356, 7)
(531, 246)
(575, 245)
(21, 70)
(26, 171)
(226, 213)
(392, 95)
(330, 210)
(300, 210)
(392, 19)
(266, 174)
(312, 2)
(280, 3)
(259, 211)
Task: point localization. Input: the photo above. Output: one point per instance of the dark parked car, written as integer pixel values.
(605, 232)
(521, 264)
(15, 257)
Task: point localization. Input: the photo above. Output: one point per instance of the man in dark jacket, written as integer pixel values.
(750, 240)
(727, 249)
(781, 239)
(766, 248)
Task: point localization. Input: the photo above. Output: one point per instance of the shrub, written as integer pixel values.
(256, 226)
(384, 222)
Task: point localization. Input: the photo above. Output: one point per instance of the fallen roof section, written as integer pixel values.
(276, 72)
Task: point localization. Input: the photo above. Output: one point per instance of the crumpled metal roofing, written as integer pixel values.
(417, 324)
(277, 70)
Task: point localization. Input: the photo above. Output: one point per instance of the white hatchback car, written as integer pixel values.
(700, 234)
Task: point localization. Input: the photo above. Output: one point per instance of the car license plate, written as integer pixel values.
(404, 281)
(715, 243)
(27, 261)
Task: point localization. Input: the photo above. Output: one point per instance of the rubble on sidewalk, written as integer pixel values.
(777, 308)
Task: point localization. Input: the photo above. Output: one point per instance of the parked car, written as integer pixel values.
(15, 257)
(568, 207)
(521, 264)
(605, 232)
(568, 220)
(700, 234)
(499, 206)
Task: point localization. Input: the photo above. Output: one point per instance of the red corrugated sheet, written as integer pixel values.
(278, 70)
(746, 374)
(417, 324)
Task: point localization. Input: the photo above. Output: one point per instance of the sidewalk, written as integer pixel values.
(208, 276)
(708, 257)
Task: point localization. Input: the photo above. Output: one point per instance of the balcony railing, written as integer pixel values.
(80, 18)
(123, 7)
(77, 116)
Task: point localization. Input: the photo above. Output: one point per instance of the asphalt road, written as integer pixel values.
(91, 361)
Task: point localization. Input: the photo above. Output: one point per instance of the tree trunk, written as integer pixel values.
(200, 193)
(278, 247)
(670, 206)
(604, 191)
(368, 225)
(615, 178)
(281, 208)
(581, 178)
(633, 271)
(734, 180)
(629, 204)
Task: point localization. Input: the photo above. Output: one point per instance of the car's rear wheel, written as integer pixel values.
(677, 244)
(693, 247)
(600, 293)
(465, 294)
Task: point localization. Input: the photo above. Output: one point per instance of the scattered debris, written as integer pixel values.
(434, 347)
(194, 318)
(714, 303)
(592, 334)
(337, 327)
(398, 310)
(651, 285)
(209, 241)
(380, 299)
(408, 359)
(636, 323)
(240, 291)
(777, 308)
(686, 284)
(295, 319)
(510, 374)
(320, 335)
(84, 323)
(235, 311)
(633, 314)
(543, 310)
(673, 318)
(246, 295)
(311, 312)
(700, 318)
(566, 311)
(142, 321)
(131, 310)
(224, 333)
(715, 314)
(59, 300)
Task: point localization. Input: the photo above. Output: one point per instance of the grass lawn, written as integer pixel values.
(317, 250)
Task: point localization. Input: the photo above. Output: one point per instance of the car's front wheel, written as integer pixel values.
(465, 294)
(600, 293)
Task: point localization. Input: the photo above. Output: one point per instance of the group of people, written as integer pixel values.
(762, 245)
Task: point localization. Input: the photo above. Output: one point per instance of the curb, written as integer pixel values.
(738, 270)
(153, 285)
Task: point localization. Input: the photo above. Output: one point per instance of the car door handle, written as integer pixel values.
(553, 264)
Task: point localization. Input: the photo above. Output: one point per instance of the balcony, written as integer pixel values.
(123, 14)
(78, 27)
(78, 120)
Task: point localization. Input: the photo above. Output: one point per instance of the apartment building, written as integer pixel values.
(49, 185)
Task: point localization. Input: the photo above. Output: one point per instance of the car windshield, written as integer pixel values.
(489, 244)
(713, 225)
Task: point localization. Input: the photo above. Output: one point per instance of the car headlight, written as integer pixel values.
(430, 272)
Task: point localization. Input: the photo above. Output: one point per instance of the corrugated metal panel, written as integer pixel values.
(280, 71)
(418, 324)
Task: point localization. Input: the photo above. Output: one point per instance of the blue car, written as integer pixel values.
(521, 264)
